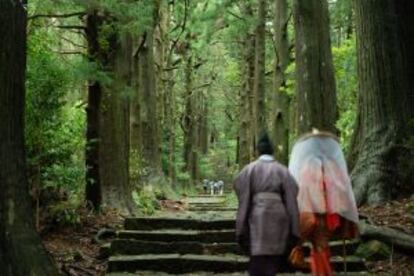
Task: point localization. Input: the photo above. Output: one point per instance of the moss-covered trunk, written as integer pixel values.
(189, 123)
(21, 250)
(246, 106)
(281, 100)
(259, 70)
(315, 82)
(150, 138)
(107, 151)
(381, 156)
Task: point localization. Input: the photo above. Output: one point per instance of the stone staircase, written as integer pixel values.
(188, 246)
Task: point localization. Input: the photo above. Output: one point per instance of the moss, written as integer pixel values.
(373, 250)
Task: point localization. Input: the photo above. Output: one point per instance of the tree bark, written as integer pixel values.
(203, 122)
(150, 151)
(189, 122)
(316, 91)
(400, 240)
(246, 107)
(93, 191)
(107, 151)
(380, 155)
(281, 99)
(168, 74)
(21, 250)
(149, 118)
(259, 71)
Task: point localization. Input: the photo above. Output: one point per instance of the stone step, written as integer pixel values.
(143, 223)
(206, 195)
(205, 273)
(337, 247)
(179, 264)
(214, 209)
(210, 199)
(171, 235)
(136, 247)
(207, 205)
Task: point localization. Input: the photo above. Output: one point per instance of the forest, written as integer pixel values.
(116, 111)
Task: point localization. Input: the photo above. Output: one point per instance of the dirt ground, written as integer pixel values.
(397, 214)
(74, 249)
(76, 253)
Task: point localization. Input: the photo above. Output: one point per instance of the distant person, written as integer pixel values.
(326, 201)
(216, 187)
(205, 186)
(220, 187)
(267, 219)
(211, 187)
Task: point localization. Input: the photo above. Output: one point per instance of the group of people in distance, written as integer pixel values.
(213, 187)
(280, 208)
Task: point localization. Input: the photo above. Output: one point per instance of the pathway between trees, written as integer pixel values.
(201, 243)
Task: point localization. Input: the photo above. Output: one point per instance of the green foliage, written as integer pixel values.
(344, 58)
(145, 201)
(147, 198)
(231, 200)
(65, 213)
(54, 125)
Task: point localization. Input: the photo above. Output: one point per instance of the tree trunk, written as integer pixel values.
(259, 71)
(169, 121)
(203, 123)
(189, 122)
(380, 156)
(316, 92)
(281, 103)
(21, 250)
(150, 150)
(135, 119)
(107, 151)
(93, 191)
(246, 112)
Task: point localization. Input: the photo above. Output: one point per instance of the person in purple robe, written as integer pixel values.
(267, 221)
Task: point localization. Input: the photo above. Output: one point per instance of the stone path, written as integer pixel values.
(200, 242)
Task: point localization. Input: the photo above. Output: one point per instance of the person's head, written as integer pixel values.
(264, 145)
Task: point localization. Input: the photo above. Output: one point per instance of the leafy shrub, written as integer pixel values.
(54, 122)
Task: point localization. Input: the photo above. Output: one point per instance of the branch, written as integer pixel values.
(72, 27)
(203, 85)
(171, 68)
(73, 43)
(69, 52)
(36, 16)
(228, 114)
(183, 26)
(235, 15)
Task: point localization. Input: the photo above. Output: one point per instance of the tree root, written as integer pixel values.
(398, 239)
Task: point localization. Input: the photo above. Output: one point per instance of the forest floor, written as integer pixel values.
(76, 252)
(74, 249)
(398, 215)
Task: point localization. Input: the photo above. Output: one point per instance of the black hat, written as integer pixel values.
(264, 145)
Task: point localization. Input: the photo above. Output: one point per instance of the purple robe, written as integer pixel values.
(267, 217)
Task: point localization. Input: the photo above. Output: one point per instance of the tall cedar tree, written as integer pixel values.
(380, 155)
(281, 99)
(259, 71)
(315, 82)
(147, 94)
(246, 129)
(21, 250)
(107, 150)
